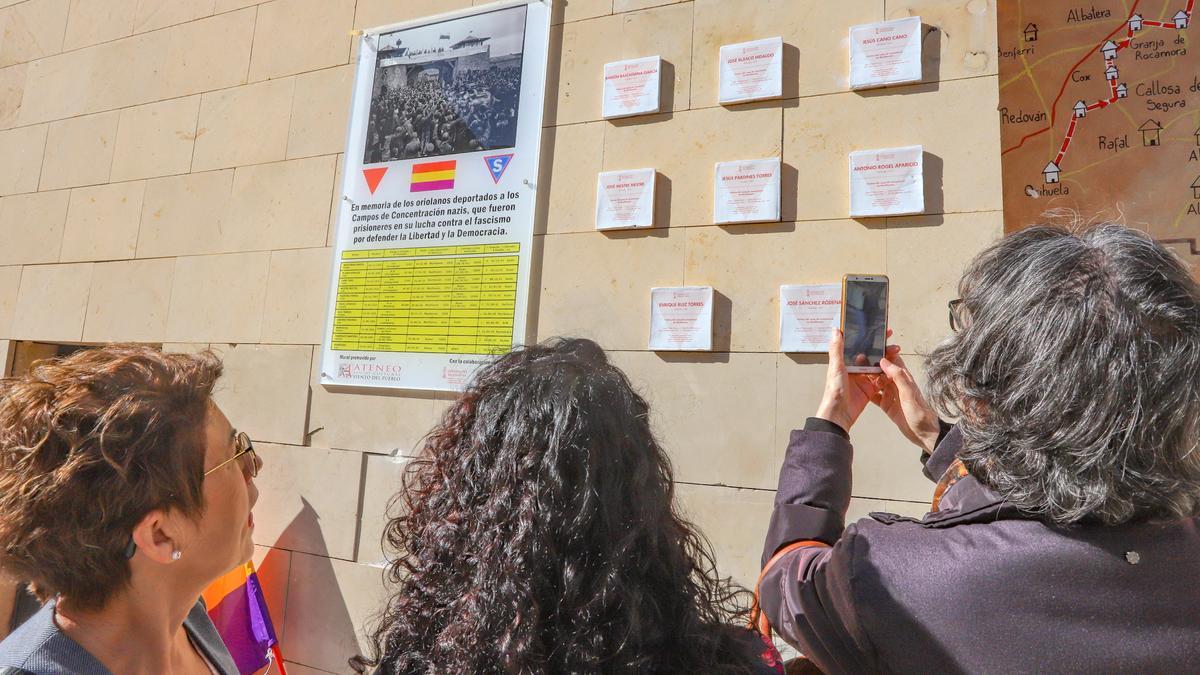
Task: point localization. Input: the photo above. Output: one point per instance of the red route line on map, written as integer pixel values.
(1067, 80)
(1109, 63)
(1066, 141)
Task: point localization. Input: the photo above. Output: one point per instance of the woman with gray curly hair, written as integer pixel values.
(1064, 531)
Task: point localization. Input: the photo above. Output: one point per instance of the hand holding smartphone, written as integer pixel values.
(864, 321)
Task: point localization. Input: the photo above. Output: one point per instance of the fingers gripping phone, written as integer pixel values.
(864, 321)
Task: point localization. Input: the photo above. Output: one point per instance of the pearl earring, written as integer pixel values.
(176, 554)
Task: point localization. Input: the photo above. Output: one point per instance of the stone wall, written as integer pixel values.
(167, 177)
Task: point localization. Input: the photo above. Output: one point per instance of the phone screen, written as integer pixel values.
(865, 321)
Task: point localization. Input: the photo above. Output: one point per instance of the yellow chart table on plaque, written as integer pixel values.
(441, 299)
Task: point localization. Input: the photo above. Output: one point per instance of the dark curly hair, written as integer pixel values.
(1077, 376)
(539, 534)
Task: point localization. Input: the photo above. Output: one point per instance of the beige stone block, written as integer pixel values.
(383, 482)
(181, 215)
(278, 205)
(265, 390)
(129, 301)
(620, 6)
(31, 227)
(886, 465)
(566, 11)
(12, 88)
(380, 422)
(228, 5)
(320, 112)
(32, 30)
(262, 207)
(685, 148)
(331, 604)
(920, 292)
(691, 398)
(10, 286)
(52, 302)
(79, 151)
(22, 150)
(734, 521)
(322, 26)
(308, 499)
(962, 169)
(156, 139)
(243, 125)
(570, 166)
(747, 264)
(273, 566)
(597, 285)
(963, 41)
(190, 58)
(184, 347)
(588, 45)
(155, 14)
(442, 403)
(94, 21)
(218, 298)
(102, 222)
(375, 13)
(297, 295)
(816, 60)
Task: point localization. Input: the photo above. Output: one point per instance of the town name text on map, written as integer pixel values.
(1100, 114)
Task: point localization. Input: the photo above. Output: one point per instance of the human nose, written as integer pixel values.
(252, 466)
(251, 492)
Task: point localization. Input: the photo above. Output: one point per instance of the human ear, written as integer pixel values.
(157, 537)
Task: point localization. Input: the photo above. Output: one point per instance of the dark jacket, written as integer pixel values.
(40, 648)
(974, 587)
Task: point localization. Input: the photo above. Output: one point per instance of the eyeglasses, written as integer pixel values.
(244, 452)
(956, 324)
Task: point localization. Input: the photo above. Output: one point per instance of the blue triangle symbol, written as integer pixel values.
(497, 165)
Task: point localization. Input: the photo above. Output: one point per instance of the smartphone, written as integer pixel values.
(864, 321)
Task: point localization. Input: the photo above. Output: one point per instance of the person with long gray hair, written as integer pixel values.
(1064, 529)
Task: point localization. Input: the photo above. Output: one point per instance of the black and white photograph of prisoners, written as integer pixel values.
(447, 88)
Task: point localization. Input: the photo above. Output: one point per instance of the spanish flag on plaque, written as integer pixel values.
(238, 608)
(433, 176)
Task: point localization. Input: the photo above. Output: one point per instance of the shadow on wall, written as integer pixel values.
(935, 198)
(305, 594)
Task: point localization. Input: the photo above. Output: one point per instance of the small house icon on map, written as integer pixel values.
(1050, 173)
(1110, 50)
(1031, 32)
(1080, 109)
(1151, 133)
(1110, 73)
(1198, 136)
(1122, 91)
(1135, 23)
(1181, 19)
(1196, 188)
